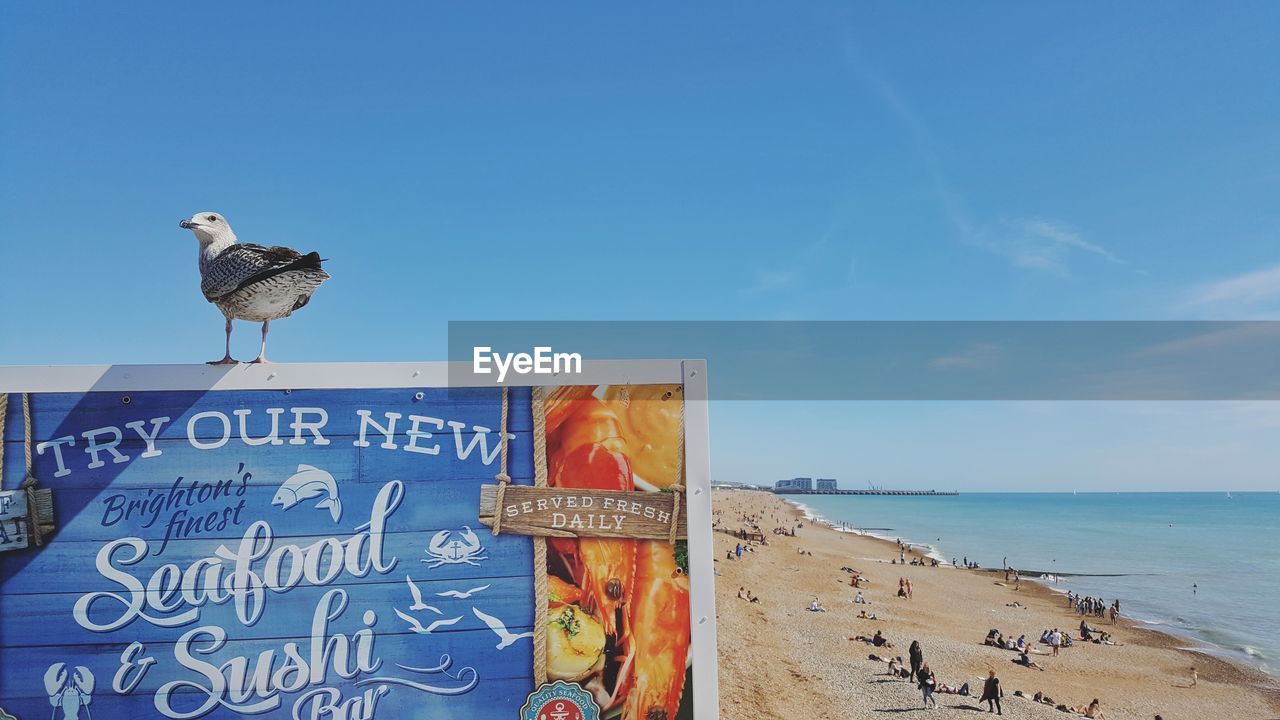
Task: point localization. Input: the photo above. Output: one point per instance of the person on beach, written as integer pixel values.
(1025, 660)
(916, 656)
(738, 551)
(816, 606)
(878, 640)
(1093, 710)
(991, 693)
(859, 600)
(1055, 641)
(909, 589)
(1195, 677)
(927, 682)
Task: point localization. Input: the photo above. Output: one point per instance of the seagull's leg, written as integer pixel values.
(262, 352)
(226, 359)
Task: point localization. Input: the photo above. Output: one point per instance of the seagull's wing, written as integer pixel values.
(414, 625)
(413, 590)
(494, 623)
(441, 623)
(244, 264)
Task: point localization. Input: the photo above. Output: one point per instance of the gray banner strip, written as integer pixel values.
(913, 360)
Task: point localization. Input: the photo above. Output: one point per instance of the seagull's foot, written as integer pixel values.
(260, 360)
(227, 360)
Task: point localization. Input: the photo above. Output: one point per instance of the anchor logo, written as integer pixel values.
(446, 549)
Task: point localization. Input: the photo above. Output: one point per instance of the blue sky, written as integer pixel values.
(723, 161)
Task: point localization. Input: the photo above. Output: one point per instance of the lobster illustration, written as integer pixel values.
(71, 692)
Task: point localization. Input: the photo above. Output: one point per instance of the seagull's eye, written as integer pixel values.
(212, 218)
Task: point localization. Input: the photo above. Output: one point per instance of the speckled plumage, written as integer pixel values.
(251, 282)
(256, 283)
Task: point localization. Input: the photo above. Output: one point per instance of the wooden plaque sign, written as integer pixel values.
(13, 520)
(561, 512)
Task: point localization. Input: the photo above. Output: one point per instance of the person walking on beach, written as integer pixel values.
(916, 656)
(991, 693)
(1195, 676)
(927, 684)
(1055, 641)
(908, 589)
(738, 551)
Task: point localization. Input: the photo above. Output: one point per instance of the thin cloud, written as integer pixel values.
(767, 281)
(1030, 243)
(1037, 244)
(1249, 288)
(1232, 335)
(976, 357)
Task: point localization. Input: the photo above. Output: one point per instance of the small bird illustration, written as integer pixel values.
(416, 626)
(462, 595)
(307, 483)
(251, 282)
(417, 598)
(505, 638)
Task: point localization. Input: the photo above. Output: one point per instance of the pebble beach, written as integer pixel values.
(779, 659)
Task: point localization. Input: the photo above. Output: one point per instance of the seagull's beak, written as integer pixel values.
(186, 224)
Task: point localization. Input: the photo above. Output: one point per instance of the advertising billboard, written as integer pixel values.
(354, 541)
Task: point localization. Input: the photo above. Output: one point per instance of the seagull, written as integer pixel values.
(460, 594)
(417, 598)
(505, 638)
(251, 282)
(416, 626)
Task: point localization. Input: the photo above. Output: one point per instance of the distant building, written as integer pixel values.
(800, 484)
(826, 484)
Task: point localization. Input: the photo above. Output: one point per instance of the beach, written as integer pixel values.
(778, 659)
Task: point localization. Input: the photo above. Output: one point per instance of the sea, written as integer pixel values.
(1202, 566)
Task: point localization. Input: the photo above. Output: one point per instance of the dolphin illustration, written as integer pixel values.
(307, 483)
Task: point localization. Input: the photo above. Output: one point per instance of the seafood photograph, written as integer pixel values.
(618, 608)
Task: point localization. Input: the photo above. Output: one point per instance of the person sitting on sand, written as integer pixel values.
(878, 640)
(1021, 643)
(864, 616)
(1093, 710)
(742, 594)
(994, 638)
(859, 600)
(894, 665)
(816, 606)
(1025, 660)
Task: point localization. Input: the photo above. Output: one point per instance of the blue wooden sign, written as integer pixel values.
(305, 554)
(211, 543)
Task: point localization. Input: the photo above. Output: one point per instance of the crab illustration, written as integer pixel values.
(445, 549)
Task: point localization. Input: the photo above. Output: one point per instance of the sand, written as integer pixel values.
(779, 660)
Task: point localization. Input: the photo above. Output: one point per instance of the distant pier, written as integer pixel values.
(788, 491)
